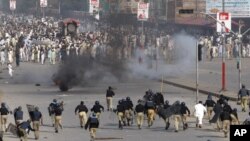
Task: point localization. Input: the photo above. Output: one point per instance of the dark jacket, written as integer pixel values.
(139, 108)
(243, 92)
(97, 108)
(110, 93)
(36, 116)
(185, 110)
(225, 116)
(58, 110)
(92, 122)
(120, 108)
(150, 105)
(81, 108)
(4, 111)
(18, 115)
(210, 103)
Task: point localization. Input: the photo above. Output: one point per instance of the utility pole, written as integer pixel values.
(223, 79)
(240, 51)
(197, 73)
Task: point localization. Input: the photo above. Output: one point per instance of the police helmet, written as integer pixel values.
(139, 101)
(243, 86)
(128, 98)
(96, 102)
(82, 103)
(166, 102)
(120, 102)
(177, 102)
(183, 103)
(36, 108)
(3, 104)
(19, 108)
(54, 100)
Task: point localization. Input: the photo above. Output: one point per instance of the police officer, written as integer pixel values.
(109, 97)
(82, 111)
(4, 111)
(129, 110)
(18, 115)
(243, 94)
(150, 108)
(210, 103)
(225, 118)
(139, 111)
(58, 117)
(97, 108)
(51, 110)
(92, 124)
(177, 115)
(36, 118)
(185, 112)
(120, 109)
(23, 130)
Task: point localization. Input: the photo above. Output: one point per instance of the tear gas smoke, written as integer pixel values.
(183, 60)
(81, 70)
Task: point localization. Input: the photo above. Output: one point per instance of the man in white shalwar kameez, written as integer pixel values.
(200, 110)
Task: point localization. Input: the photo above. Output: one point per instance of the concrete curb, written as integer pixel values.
(202, 91)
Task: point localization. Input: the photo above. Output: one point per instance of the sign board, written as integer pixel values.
(43, 3)
(225, 19)
(94, 6)
(12, 5)
(238, 8)
(142, 11)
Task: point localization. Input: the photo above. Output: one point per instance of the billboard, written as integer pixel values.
(225, 19)
(142, 11)
(238, 8)
(94, 6)
(43, 3)
(12, 4)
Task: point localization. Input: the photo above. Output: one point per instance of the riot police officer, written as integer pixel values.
(139, 111)
(36, 118)
(82, 111)
(129, 110)
(97, 108)
(120, 109)
(18, 115)
(185, 112)
(150, 109)
(92, 124)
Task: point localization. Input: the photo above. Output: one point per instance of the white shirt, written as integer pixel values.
(200, 110)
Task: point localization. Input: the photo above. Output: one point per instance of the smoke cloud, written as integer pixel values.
(81, 70)
(183, 61)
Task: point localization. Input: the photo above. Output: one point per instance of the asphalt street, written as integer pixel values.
(22, 90)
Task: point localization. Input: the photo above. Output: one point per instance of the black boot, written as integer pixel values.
(128, 121)
(120, 124)
(124, 123)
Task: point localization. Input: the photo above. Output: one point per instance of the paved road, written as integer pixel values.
(21, 90)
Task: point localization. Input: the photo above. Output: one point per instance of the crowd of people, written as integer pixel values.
(31, 39)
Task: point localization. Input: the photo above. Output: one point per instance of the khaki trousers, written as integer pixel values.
(24, 136)
(83, 118)
(109, 103)
(244, 102)
(177, 120)
(225, 124)
(58, 122)
(120, 116)
(4, 119)
(92, 133)
(140, 118)
(36, 126)
(209, 112)
(150, 115)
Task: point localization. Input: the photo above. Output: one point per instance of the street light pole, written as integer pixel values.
(223, 88)
(240, 51)
(197, 73)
